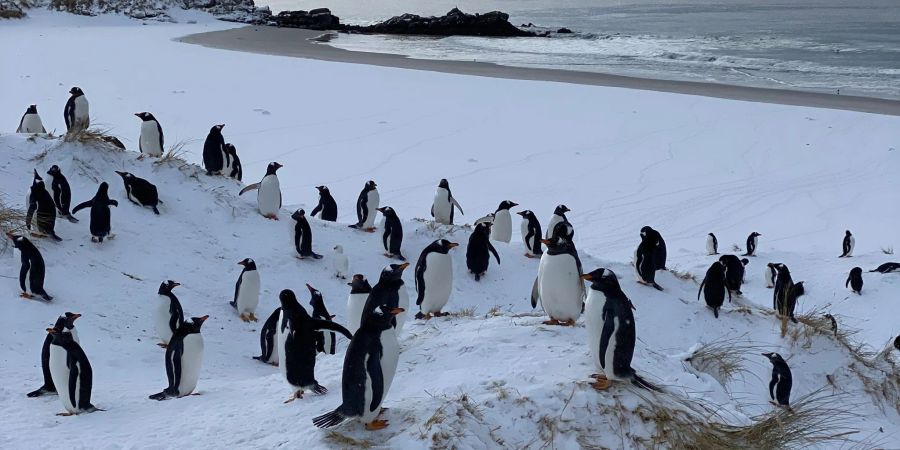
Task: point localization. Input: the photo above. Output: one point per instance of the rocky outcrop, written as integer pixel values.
(316, 19)
(10, 9)
(244, 11)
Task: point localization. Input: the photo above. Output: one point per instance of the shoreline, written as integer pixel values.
(296, 42)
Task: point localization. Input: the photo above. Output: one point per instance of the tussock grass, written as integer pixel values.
(887, 250)
(12, 220)
(100, 137)
(344, 441)
(724, 358)
(683, 275)
(176, 154)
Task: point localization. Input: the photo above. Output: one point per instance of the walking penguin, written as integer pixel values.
(780, 386)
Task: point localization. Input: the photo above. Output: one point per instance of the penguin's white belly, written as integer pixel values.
(550, 225)
(438, 279)
(280, 337)
(273, 358)
(852, 244)
(82, 112)
(609, 356)
(372, 205)
(403, 302)
(637, 271)
(341, 265)
(74, 334)
(31, 123)
(59, 372)
(191, 360)
(150, 139)
(268, 199)
(248, 294)
(710, 247)
(132, 197)
(560, 286)
(163, 331)
(502, 229)
(390, 357)
(770, 279)
(355, 305)
(524, 229)
(593, 312)
(226, 164)
(28, 281)
(369, 413)
(441, 207)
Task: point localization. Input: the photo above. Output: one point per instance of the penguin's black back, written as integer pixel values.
(478, 252)
(213, 159)
(618, 308)
(267, 336)
(713, 287)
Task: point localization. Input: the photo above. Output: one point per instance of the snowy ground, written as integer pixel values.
(619, 159)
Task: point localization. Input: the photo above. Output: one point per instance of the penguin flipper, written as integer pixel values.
(701, 290)
(249, 188)
(373, 368)
(319, 324)
(535, 293)
(329, 420)
(456, 203)
(494, 251)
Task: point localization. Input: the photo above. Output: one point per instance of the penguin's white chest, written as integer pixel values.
(150, 144)
(341, 265)
(438, 282)
(502, 229)
(609, 354)
(710, 246)
(403, 302)
(754, 242)
(191, 360)
(524, 229)
(268, 199)
(163, 330)
(852, 244)
(551, 224)
(441, 207)
(59, 372)
(280, 338)
(769, 277)
(248, 293)
(372, 201)
(390, 358)
(31, 123)
(82, 111)
(355, 304)
(593, 316)
(560, 286)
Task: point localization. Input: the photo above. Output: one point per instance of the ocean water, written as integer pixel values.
(846, 47)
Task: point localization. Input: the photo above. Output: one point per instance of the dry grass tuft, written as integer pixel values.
(683, 274)
(344, 441)
(724, 358)
(887, 250)
(467, 312)
(12, 220)
(175, 154)
(98, 136)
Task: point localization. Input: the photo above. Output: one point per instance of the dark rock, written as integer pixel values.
(10, 9)
(317, 19)
(564, 30)
(244, 11)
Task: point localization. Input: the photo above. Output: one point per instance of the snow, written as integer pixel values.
(492, 376)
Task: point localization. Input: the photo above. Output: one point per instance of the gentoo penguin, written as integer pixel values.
(645, 260)
(140, 191)
(752, 241)
(268, 197)
(434, 278)
(326, 341)
(367, 373)
(489, 218)
(611, 331)
(770, 273)
(531, 234)
(184, 356)
(77, 112)
(558, 286)
(713, 287)
(356, 301)
(235, 170)
(887, 267)
(65, 324)
(366, 205)
(246, 291)
(151, 141)
(479, 250)
(734, 273)
(40, 202)
(444, 206)
(62, 194)
(31, 275)
(100, 214)
(786, 293)
(393, 233)
(214, 151)
(659, 255)
(502, 223)
(297, 345)
(303, 236)
(388, 295)
(559, 215)
(268, 339)
(897, 342)
(31, 121)
(780, 386)
(848, 244)
(169, 315)
(855, 280)
(340, 262)
(71, 371)
(327, 207)
(712, 244)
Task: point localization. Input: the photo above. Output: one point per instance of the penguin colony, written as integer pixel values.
(291, 337)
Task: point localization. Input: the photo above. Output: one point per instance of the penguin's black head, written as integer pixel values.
(646, 230)
(273, 167)
(18, 241)
(561, 210)
(775, 358)
(229, 148)
(507, 204)
(782, 269)
(125, 175)
(103, 188)
(216, 129)
(712, 235)
(856, 271)
(37, 178)
(248, 264)
(483, 227)
(745, 261)
(298, 215)
(194, 325)
(370, 185)
(54, 170)
(525, 213)
(603, 280)
(754, 234)
(445, 245)
(387, 211)
(76, 91)
(32, 109)
(288, 300)
(897, 342)
(166, 287)
(381, 318)
(444, 184)
(561, 232)
(359, 283)
(145, 116)
(69, 319)
(323, 190)
(393, 272)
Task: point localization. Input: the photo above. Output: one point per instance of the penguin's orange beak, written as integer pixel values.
(203, 318)
(545, 241)
(396, 311)
(587, 277)
(176, 284)
(381, 210)
(404, 265)
(452, 245)
(51, 330)
(137, 114)
(75, 316)
(309, 286)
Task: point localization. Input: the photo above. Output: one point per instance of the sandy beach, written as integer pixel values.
(300, 44)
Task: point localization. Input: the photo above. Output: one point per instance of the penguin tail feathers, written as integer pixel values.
(331, 419)
(657, 287)
(644, 384)
(155, 211)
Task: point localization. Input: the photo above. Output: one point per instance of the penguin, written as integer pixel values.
(645, 260)
(40, 202)
(712, 244)
(713, 287)
(140, 191)
(887, 267)
(268, 197)
(855, 280)
(100, 214)
(268, 339)
(659, 254)
(77, 112)
(65, 324)
(489, 218)
(235, 170)
(780, 386)
(327, 207)
(734, 273)
(848, 244)
(367, 373)
(559, 287)
(393, 233)
(72, 372)
(303, 236)
(297, 345)
(184, 356)
(169, 315)
(434, 278)
(786, 293)
(356, 301)
(502, 224)
(325, 340)
(477, 256)
(770, 273)
(611, 330)
(214, 150)
(366, 205)
(62, 194)
(531, 234)
(246, 291)
(31, 121)
(752, 241)
(444, 206)
(897, 342)
(340, 263)
(31, 275)
(388, 295)
(151, 140)
(559, 215)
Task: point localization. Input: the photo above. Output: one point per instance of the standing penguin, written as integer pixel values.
(734, 273)
(246, 291)
(780, 386)
(303, 236)
(327, 207)
(714, 284)
(477, 256)
(169, 315)
(140, 191)
(502, 223)
(366, 205)
(268, 198)
(559, 287)
(71, 372)
(645, 260)
(444, 206)
(31, 121)
(770, 273)
(659, 254)
(559, 215)
(184, 356)
(214, 151)
(326, 341)
(77, 112)
(100, 214)
(268, 339)
(393, 233)
(340, 263)
(235, 170)
(65, 324)
(31, 275)
(150, 142)
(786, 293)
(388, 295)
(611, 331)
(752, 242)
(40, 202)
(531, 234)
(356, 301)
(855, 280)
(434, 278)
(848, 244)
(712, 244)
(62, 194)
(367, 373)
